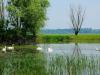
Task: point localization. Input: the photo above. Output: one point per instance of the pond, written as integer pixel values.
(71, 48)
(64, 59)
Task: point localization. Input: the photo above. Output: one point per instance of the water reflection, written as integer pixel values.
(75, 62)
(72, 49)
(29, 61)
(69, 65)
(76, 50)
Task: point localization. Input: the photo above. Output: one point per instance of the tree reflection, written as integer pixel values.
(77, 50)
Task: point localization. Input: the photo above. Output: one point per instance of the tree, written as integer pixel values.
(77, 18)
(2, 20)
(35, 16)
(27, 16)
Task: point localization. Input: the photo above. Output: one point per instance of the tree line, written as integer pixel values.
(21, 20)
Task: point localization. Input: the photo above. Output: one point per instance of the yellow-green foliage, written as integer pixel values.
(55, 38)
(65, 38)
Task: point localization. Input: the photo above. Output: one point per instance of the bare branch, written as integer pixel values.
(77, 18)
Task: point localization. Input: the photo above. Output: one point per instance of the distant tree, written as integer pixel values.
(77, 18)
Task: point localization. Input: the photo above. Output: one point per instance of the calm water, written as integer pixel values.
(72, 59)
(86, 49)
(65, 59)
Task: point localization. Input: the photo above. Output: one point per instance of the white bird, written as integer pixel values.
(11, 47)
(4, 49)
(39, 48)
(97, 49)
(50, 50)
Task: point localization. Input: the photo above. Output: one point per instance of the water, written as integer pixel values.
(72, 59)
(65, 59)
(71, 48)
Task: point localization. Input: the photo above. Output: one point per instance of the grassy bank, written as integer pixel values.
(63, 38)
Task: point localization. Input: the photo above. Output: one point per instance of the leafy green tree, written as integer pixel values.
(27, 16)
(2, 20)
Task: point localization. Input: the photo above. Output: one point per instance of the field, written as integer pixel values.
(62, 38)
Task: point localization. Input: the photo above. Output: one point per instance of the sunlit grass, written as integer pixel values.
(65, 38)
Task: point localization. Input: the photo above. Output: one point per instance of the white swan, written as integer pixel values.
(4, 49)
(39, 48)
(97, 49)
(11, 47)
(50, 50)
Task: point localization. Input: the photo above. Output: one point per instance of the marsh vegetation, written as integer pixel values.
(26, 60)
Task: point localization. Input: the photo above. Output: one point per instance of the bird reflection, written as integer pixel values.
(77, 50)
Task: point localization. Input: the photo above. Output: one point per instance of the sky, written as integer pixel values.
(58, 13)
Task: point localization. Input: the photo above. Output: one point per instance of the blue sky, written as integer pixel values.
(58, 13)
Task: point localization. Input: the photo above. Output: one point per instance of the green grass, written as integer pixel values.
(72, 65)
(26, 62)
(65, 38)
(22, 62)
